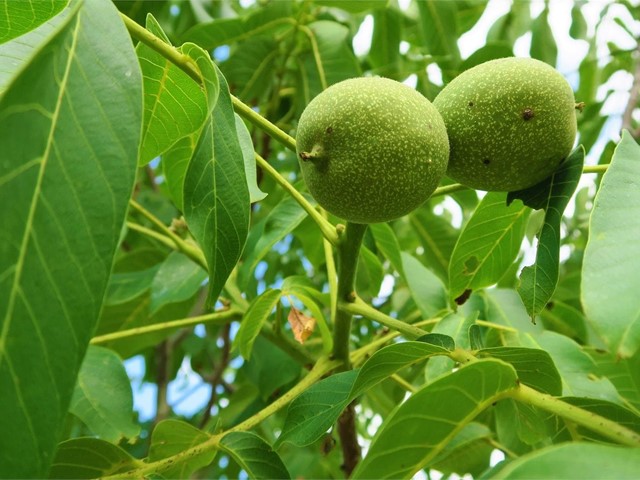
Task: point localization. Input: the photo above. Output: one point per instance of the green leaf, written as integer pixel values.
(490, 51)
(512, 25)
(438, 238)
(419, 429)
(538, 282)
(543, 44)
(612, 257)
(370, 274)
(224, 31)
(124, 287)
(254, 455)
(170, 438)
(102, 398)
(244, 137)
(270, 369)
(468, 452)
(577, 369)
(384, 54)
(579, 28)
(332, 61)
(68, 186)
(456, 327)
(15, 53)
(426, 288)
(438, 339)
(253, 320)
(313, 412)
(387, 243)
(178, 279)
(504, 307)
(476, 341)
(530, 425)
(623, 373)
(281, 221)
(18, 18)
(574, 461)
(439, 33)
(535, 367)
(175, 162)
(252, 66)
(216, 196)
(81, 458)
(487, 246)
(174, 104)
(389, 360)
(565, 319)
(353, 6)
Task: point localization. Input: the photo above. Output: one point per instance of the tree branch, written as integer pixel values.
(218, 371)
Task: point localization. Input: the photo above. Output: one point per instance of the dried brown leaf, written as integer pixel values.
(301, 324)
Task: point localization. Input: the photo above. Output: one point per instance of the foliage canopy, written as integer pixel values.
(153, 208)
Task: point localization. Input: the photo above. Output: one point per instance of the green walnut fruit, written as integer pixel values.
(511, 122)
(371, 149)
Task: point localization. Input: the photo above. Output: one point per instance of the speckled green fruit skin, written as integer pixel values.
(510, 122)
(371, 149)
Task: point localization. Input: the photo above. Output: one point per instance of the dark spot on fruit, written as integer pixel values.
(329, 130)
(486, 161)
(464, 297)
(527, 114)
(470, 104)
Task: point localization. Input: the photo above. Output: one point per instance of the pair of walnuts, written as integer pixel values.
(373, 149)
